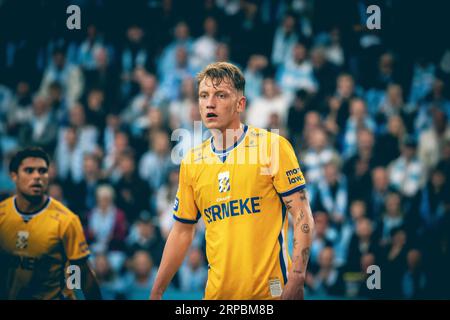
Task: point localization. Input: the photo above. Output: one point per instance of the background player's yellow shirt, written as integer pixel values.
(35, 254)
(237, 192)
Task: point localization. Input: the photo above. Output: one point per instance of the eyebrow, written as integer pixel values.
(33, 168)
(216, 92)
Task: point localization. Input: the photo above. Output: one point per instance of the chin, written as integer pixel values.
(212, 125)
(34, 196)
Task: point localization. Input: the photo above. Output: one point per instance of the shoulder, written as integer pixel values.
(61, 212)
(6, 202)
(263, 133)
(6, 206)
(198, 153)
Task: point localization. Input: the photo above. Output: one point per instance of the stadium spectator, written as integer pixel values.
(17, 111)
(182, 38)
(414, 282)
(332, 194)
(69, 76)
(107, 278)
(377, 196)
(387, 146)
(87, 134)
(357, 120)
(254, 76)
(393, 260)
(69, 157)
(393, 217)
(193, 273)
(107, 225)
(133, 193)
(146, 236)
(149, 96)
(357, 168)
(156, 162)
(165, 202)
(204, 47)
(96, 109)
(112, 156)
(393, 104)
(134, 54)
(317, 156)
(284, 40)
(82, 196)
(361, 243)
(429, 202)
(431, 141)
(297, 72)
(272, 101)
(325, 73)
(296, 117)
(345, 92)
(327, 281)
(41, 129)
(138, 282)
(324, 236)
(406, 173)
(183, 69)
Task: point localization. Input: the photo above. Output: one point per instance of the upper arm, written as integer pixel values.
(185, 210)
(184, 229)
(287, 176)
(296, 201)
(74, 241)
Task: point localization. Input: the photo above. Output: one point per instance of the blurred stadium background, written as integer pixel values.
(367, 112)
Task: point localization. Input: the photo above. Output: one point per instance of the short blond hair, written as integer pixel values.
(223, 71)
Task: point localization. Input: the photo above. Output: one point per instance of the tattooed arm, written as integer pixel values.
(298, 205)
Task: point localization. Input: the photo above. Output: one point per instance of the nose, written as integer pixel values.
(210, 103)
(36, 175)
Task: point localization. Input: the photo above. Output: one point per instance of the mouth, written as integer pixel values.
(210, 115)
(36, 186)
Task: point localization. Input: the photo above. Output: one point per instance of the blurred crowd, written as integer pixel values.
(367, 112)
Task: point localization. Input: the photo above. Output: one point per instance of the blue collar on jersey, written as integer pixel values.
(222, 154)
(28, 215)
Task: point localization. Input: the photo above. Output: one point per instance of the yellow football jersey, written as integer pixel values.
(34, 254)
(238, 193)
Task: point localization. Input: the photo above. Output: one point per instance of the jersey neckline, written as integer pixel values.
(234, 146)
(27, 216)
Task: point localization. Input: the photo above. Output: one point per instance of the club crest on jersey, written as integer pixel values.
(224, 181)
(22, 240)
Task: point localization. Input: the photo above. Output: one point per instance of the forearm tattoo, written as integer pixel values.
(305, 228)
(305, 256)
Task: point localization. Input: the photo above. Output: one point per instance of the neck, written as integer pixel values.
(226, 138)
(104, 209)
(27, 205)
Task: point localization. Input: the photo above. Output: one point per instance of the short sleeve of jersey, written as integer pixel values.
(287, 175)
(74, 242)
(185, 209)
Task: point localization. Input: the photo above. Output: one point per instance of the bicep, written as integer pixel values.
(298, 206)
(183, 229)
(296, 201)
